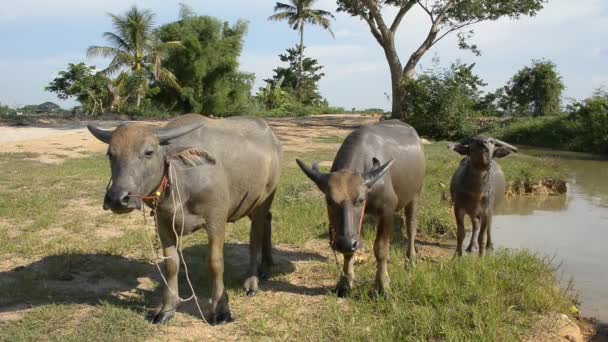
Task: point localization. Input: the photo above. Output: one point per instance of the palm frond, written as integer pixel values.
(282, 16)
(102, 51)
(279, 6)
(116, 41)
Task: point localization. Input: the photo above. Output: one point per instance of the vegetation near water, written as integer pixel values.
(82, 265)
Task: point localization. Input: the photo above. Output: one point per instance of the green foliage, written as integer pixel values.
(299, 13)
(206, 66)
(440, 103)
(134, 46)
(82, 82)
(534, 90)
(286, 78)
(584, 129)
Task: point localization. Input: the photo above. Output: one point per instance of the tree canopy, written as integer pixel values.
(535, 90)
(308, 94)
(297, 14)
(445, 17)
(206, 66)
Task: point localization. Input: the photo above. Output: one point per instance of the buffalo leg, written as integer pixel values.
(267, 260)
(473, 243)
(220, 310)
(347, 279)
(256, 236)
(170, 299)
(482, 235)
(412, 227)
(489, 243)
(460, 233)
(381, 251)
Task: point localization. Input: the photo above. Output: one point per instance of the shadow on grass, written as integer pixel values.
(93, 279)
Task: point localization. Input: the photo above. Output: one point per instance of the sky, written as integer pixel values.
(40, 37)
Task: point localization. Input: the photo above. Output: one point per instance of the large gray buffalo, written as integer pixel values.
(224, 170)
(359, 184)
(477, 187)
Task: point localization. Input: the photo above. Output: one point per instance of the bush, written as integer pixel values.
(584, 129)
(440, 104)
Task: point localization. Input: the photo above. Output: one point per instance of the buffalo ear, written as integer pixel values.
(190, 157)
(101, 134)
(319, 178)
(459, 148)
(501, 152)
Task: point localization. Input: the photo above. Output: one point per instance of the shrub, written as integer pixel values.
(440, 104)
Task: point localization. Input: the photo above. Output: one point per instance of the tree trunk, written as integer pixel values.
(138, 99)
(394, 65)
(300, 58)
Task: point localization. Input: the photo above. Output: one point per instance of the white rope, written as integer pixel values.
(173, 180)
(179, 240)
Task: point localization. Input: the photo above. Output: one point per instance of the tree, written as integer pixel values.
(299, 13)
(441, 103)
(207, 65)
(535, 90)
(287, 77)
(83, 82)
(135, 46)
(446, 16)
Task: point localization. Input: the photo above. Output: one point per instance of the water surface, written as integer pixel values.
(573, 228)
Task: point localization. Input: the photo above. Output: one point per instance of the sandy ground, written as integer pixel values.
(54, 141)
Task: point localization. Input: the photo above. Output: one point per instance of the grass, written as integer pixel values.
(562, 132)
(458, 300)
(83, 267)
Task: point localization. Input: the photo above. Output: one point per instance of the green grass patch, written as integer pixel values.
(51, 218)
(498, 298)
(332, 139)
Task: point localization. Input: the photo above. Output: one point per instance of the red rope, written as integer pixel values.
(332, 237)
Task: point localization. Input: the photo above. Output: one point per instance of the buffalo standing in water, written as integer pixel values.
(226, 169)
(477, 187)
(359, 184)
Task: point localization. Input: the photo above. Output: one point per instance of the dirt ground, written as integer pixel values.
(53, 141)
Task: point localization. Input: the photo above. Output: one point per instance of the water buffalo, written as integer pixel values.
(224, 170)
(359, 184)
(477, 187)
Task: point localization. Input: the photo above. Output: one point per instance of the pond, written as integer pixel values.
(572, 228)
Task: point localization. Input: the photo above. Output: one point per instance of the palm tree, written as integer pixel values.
(298, 13)
(135, 46)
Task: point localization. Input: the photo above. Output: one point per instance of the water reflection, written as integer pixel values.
(528, 205)
(572, 227)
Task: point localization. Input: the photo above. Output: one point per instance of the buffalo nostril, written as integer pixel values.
(124, 199)
(355, 245)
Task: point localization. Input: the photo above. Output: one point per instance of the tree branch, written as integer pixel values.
(374, 29)
(402, 12)
(456, 28)
(426, 9)
(374, 13)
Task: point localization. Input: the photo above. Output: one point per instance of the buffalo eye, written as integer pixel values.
(149, 154)
(360, 201)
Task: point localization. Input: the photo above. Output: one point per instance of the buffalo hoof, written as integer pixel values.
(342, 292)
(263, 275)
(470, 249)
(251, 293)
(221, 318)
(162, 317)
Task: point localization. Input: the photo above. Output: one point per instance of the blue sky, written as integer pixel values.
(40, 37)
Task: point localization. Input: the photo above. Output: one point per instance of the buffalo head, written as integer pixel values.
(482, 150)
(138, 157)
(345, 193)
